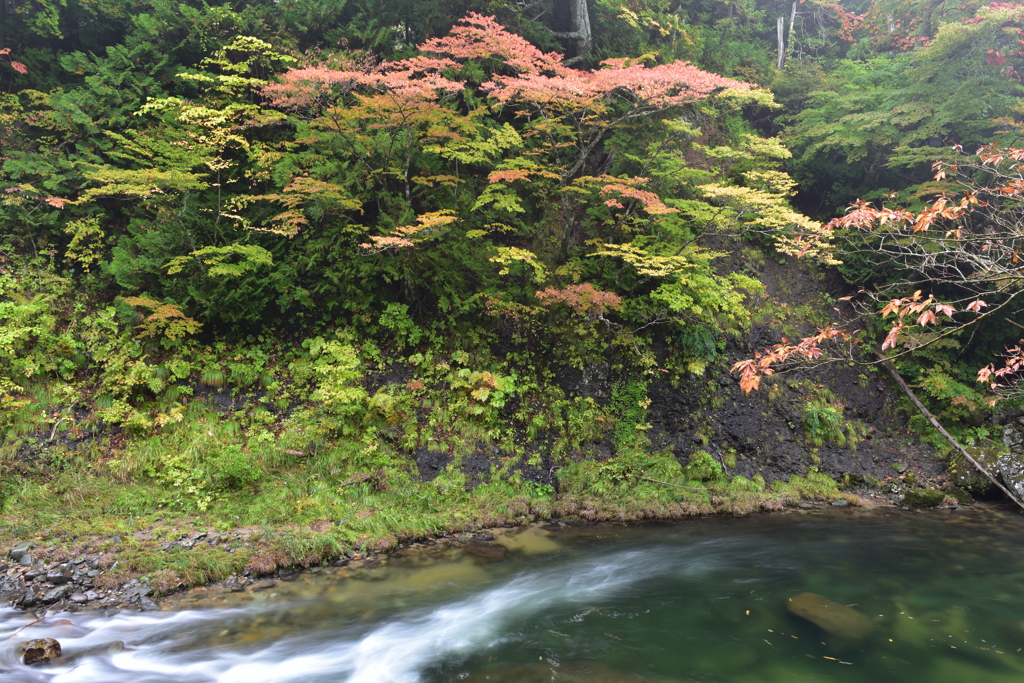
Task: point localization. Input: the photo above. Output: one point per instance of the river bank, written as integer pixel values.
(569, 602)
(108, 572)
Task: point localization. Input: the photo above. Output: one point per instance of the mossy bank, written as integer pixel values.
(187, 459)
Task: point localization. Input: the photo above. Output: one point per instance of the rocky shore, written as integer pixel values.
(88, 576)
(35, 578)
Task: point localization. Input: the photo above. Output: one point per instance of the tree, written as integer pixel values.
(580, 33)
(878, 123)
(962, 265)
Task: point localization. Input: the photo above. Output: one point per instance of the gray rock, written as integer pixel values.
(140, 592)
(26, 560)
(38, 651)
(28, 599)
(18, 551)
(1011, 469)
(79, 598)
(58, 593)
(234, 585)
(58, 576)
(1013, 438)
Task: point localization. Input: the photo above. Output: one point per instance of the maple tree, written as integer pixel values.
(968, 244)
(483, 144)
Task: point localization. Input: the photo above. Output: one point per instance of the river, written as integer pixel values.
(696, 601)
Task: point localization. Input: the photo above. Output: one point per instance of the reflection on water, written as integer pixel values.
(701, 601)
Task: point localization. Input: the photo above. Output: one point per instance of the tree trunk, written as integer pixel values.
(580, 35)
(780, 29)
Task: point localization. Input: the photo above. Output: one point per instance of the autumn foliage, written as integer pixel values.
(969, 241)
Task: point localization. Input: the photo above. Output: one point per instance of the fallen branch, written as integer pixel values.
(949, 437)
(53, 432)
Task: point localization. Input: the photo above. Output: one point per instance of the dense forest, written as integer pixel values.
(364, 270)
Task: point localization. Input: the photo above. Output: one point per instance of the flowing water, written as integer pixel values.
(701, 600)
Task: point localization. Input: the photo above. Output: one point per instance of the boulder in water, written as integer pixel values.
(38, 651)
(837, 619)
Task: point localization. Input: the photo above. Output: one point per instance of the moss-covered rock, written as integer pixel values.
(966, 476)
(962, 497)
(923, 498)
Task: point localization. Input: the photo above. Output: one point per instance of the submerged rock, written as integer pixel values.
(488, 552)
(837, 619)
(531, 540)
(38, 651)
(923, 498)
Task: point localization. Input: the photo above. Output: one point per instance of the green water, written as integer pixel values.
(702, 600)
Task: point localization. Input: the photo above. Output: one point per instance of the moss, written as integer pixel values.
(923, 498)
(961, 496)
(704, 468)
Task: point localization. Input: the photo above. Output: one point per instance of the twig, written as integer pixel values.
(658, 481)
(949, 437)
(1014, 324)
(31, 623)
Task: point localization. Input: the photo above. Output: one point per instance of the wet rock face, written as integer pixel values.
(38, 651)
(838, 620)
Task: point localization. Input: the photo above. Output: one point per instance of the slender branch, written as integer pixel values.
(678, 486)
(949, 437)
